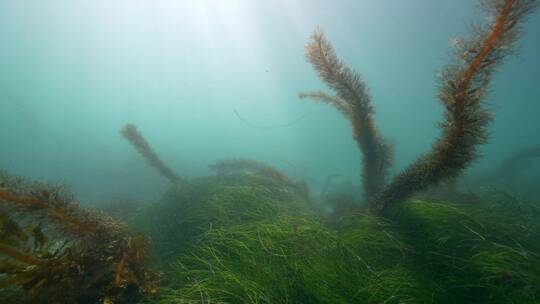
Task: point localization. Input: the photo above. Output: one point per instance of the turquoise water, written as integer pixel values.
(207, 80)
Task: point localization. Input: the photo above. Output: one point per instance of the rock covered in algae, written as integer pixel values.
(253, 239)
(188, 210)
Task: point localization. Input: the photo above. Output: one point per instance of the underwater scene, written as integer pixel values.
(270, 151)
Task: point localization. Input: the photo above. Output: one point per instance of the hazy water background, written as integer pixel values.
(73, 72)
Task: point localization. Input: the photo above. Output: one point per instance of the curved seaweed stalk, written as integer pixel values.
(462, 91)
(136, 139)
(463, 88)
(354, 102)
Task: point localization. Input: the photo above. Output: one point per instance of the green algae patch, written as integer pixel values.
(188, 210)
(260, 262)
(295, 258)
(477, 252)
(375, 262)
(290, 259)
(248, 238)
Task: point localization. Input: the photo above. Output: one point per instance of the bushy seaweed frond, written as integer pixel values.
(354, 102)
(462, 91)
(340, 78)
(24, 245)
(137, 140)
(341, 105)
(55, 251)
(45, 201)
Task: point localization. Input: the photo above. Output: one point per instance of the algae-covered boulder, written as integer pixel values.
(292, 259)
(476, 252)
(253, 239)
(189, 209)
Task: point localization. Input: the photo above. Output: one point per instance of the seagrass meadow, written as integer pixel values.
(161, 152)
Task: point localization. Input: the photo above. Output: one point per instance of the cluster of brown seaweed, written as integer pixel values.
(463, 87)
(54, 251)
